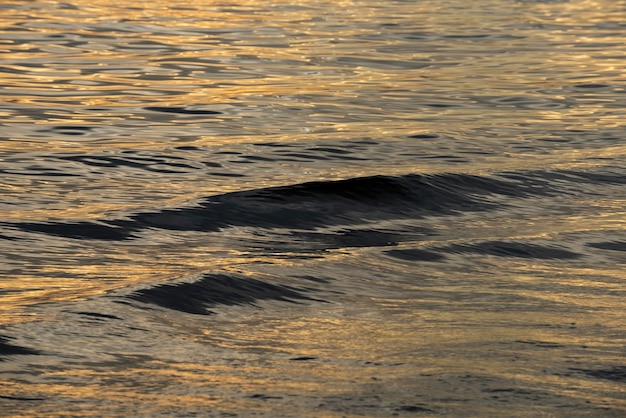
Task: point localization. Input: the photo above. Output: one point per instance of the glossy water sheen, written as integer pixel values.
(313, 209)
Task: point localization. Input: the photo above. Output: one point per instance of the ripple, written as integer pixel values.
(515, 249)
(182, 110)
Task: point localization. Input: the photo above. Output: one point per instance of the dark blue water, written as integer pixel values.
(315, 209)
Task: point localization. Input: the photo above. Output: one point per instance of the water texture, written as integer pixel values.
(313, 209)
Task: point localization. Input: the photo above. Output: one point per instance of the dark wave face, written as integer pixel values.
(8, 349)
(217, 289)
(314, 205)
(511, 249)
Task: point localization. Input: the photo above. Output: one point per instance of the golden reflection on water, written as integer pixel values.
(489, 81)
(354, 358)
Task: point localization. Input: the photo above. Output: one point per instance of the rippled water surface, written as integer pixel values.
(313, 209)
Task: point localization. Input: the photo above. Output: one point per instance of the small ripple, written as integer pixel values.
(424, 136)
(68, 129)
(513, 249)
(526, 102)
(159, 165)
(609, 245)
(616, 373)
(182, 110)
(592, 86)
(414, 254)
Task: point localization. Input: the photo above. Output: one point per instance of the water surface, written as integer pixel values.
(356, 208)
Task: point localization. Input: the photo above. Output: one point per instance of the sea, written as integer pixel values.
(289, 208)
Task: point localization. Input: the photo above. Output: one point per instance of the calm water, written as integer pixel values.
(313, 209)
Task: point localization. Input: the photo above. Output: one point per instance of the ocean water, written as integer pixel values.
(313, 208)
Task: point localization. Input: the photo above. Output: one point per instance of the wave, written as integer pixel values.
(314, 205)
(609, 245)
(218, 289)
(491, 248)
(307, 206)
(7, 349)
